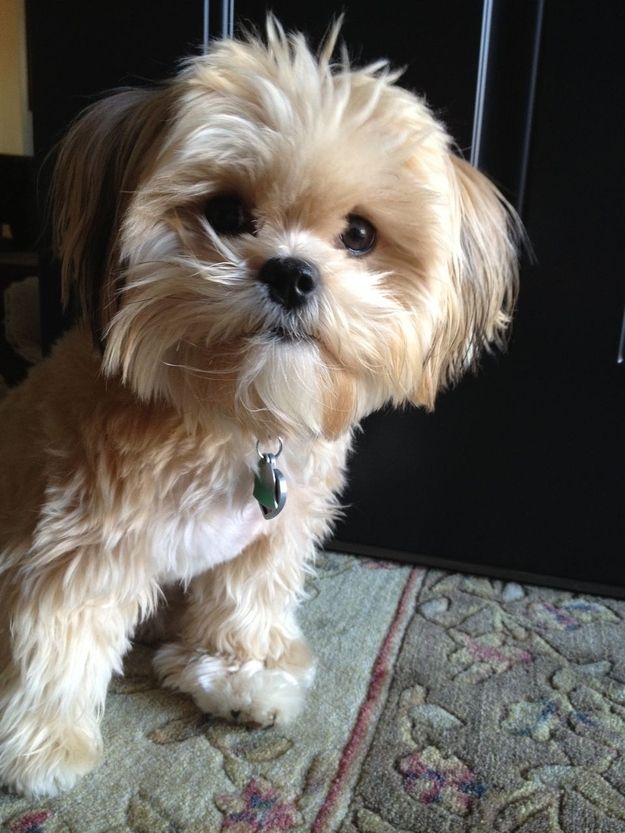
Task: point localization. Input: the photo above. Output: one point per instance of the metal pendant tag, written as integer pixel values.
(269, 486)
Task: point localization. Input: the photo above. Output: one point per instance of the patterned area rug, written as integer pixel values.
(443, 703)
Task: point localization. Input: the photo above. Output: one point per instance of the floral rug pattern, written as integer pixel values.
(443, 704)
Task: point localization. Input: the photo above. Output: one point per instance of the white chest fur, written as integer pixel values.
(210, 516)
(189, 542)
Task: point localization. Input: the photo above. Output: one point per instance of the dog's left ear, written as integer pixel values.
(481, 236)
(98, 167)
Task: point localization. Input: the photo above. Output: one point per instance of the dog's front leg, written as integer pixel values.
(61, 643)
(241, 654)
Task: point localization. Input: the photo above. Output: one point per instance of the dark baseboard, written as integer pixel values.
(487, 570)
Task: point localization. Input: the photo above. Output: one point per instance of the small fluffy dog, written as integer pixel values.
(265, 249)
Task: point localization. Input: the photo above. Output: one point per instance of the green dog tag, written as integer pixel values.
(269, 487)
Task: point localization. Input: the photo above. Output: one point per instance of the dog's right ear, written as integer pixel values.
(98, 167)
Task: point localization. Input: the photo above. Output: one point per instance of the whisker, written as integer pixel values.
(148, 300)
(197, 371)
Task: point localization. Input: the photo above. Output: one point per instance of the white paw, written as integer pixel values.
(245, 692)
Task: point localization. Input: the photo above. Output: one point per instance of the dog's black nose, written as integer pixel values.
(291, 281)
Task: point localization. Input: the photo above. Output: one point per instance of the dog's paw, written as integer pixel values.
(51, 764)
(249, 692)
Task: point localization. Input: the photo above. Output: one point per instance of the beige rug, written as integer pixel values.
(443, 704)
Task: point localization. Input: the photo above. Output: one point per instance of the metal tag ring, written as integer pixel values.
(275, 456)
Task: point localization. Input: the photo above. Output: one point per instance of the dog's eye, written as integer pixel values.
(228, 214)
(358, 236)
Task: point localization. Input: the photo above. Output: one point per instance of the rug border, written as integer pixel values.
(361, 735)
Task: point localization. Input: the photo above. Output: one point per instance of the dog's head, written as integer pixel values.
(278, 239)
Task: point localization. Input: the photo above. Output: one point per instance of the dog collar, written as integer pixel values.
(269, 483)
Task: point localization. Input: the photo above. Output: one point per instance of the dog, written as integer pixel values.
(264, 250)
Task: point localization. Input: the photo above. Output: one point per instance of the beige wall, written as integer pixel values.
(15, 121)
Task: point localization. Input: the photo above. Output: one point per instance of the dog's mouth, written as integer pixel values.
(290, 335)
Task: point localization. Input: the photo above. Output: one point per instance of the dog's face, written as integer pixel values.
(275, 239)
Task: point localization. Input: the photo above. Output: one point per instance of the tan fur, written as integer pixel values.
(129, 454)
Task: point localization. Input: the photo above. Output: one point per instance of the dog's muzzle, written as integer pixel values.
(291, 281)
